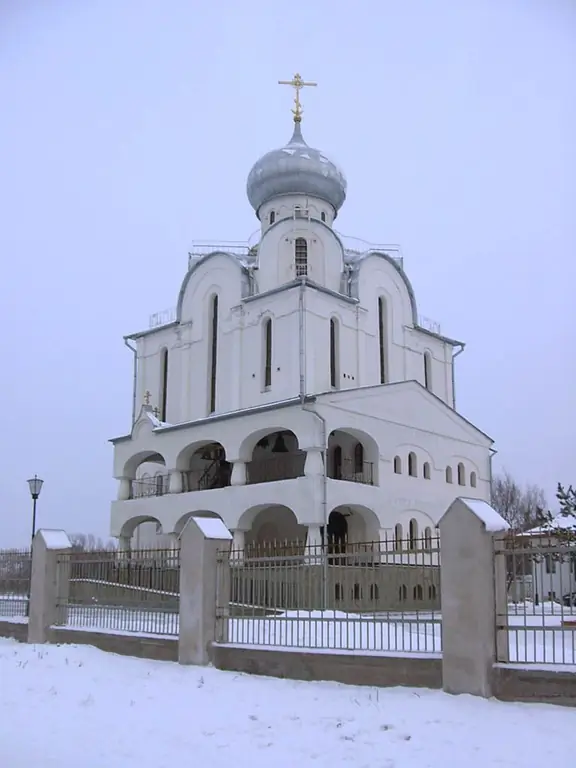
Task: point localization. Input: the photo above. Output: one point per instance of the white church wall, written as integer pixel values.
(283, 208)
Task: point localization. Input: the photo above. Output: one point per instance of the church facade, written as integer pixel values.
(295, 394)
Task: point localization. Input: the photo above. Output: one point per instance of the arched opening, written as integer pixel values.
(461, 474)
(213, 353)
(204, 467)
(403, 593)
(301, 257)
(273, 530)
(431, 592)
(163, 384)
(398, 537)
(428, 370)
(334, 353)
(418, 592)
(412, 464)
(397, 465)
(352, 456)
(144, 532)
(276, 456)
(383, 339)
(374, 592)
(428, 537)
(147, 474)
(337, 533)
(179, 527)
(357, 592)
(413, 534)
(448, 474)
(338, 592)
(426, 470)
(322, 216)
(272, 217)
(267, 353)
(361, 526)
(473, 479)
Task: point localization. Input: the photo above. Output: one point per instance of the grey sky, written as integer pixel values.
(128, 129)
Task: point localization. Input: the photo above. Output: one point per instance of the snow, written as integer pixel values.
(212, 527)
(55, 539)
(70, 706)
(492, 520)
(560, 522)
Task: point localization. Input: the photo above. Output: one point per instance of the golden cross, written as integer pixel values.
(147, 396)
(297, 83)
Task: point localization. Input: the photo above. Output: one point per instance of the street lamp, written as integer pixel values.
(35, 485)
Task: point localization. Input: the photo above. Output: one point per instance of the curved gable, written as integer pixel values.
(392, 279)
(221, 269)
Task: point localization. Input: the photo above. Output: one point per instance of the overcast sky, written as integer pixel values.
(127, 131)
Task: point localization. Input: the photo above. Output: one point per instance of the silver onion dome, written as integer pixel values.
(296, 169)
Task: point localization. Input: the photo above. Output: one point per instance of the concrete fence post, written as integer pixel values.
(49, 583)
(203, 585)
(469, 593)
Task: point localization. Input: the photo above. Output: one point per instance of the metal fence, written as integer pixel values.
(538, 622)
(363, 597)
(135, 591)
(15, 571)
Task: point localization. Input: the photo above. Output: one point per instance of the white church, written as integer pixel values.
(294, 392)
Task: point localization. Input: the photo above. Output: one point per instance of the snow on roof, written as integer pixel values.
(561, 522)
(55, 539)
(212, 527)
(487, 514)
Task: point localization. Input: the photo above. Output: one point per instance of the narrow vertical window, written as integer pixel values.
(448, 474)
(272, 217)
(473, 479)
(413, 534)
(323, 216)
(397, 465)
(398, 537)
(428, 371)
(358, 458)
(426, 470)
(163, 383)
(333, 352)
(213, 352)
(267, 353)
(412, 464)
(461, 474)
(337, 463)
(382, 339)
(301, 257)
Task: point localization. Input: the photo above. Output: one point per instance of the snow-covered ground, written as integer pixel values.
(70, 706)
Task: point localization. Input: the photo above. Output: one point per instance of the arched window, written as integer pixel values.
(428, 370)
(267, 353)
(358, 458)
(301, 257)
(398, 537)
(163, 383)
(338, 591)
(159, 480)
(397, 465)
(323, 216)
(431, 592)
(403, 593)
(461, 474)
(272, 217)
(213, 351)
(412, 464)
(334, 378)
(418, 592)
(413, 534)
(428, 538)
(473, 479)
(448, 474)
(374, 592)
(357, 592)
(426, 470)
(383, 338)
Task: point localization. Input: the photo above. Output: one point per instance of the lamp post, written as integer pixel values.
(35, 485)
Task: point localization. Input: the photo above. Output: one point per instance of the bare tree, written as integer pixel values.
(521, 507)
(87, 542)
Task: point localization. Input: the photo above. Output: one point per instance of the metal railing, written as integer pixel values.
(366, 597)
(280, 466)
(536, 622)
(131, 591)
(215, 475)
(153, 486)
(354, 472)
(15, 571)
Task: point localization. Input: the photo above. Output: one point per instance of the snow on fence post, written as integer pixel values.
(200, 542)
(48, 583)
(471, 588)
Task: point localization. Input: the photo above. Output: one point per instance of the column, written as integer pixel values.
(124, 488)
(314, 465)
(238, 473)
(175, 481)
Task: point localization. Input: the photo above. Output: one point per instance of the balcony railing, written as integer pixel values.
(283, 466)
(153, 486)
(354, 472)
(216, 475)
